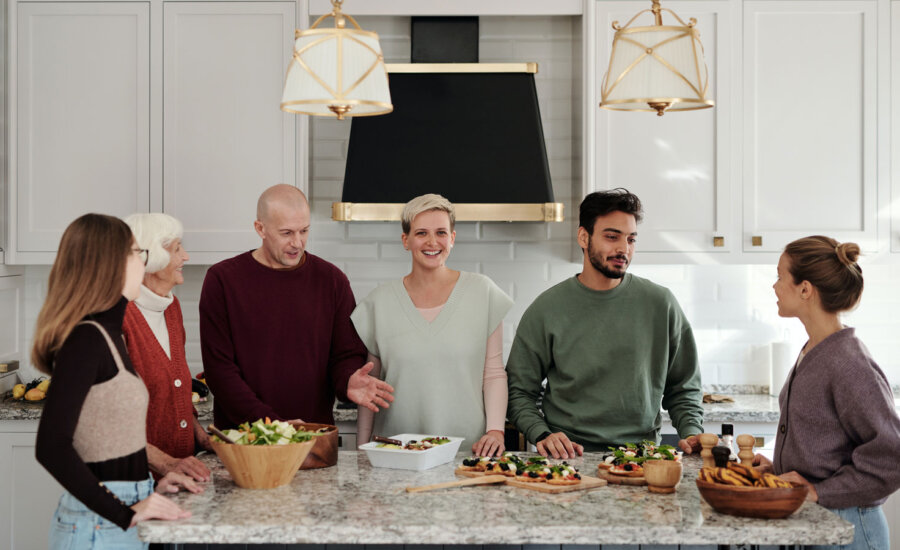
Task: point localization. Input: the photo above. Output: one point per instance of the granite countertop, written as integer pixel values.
(354, 503)
(26, 410)
(746, 408)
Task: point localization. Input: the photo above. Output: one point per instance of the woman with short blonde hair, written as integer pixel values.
(436, 336)
(839, 432)
(154, 332)
(91, 437)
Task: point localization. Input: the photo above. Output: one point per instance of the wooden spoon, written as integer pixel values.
(483, 480)
(217, 432)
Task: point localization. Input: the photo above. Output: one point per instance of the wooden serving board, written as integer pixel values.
(620, 480)
(587, 483)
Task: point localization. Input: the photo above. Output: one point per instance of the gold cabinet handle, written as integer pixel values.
(756, 240)
(718, 241)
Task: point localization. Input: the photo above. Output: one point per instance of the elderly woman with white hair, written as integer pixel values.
(154, 334)
(436, 336)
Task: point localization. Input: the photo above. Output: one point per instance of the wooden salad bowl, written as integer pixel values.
(325, 452)
(262, 466)
(753, 502)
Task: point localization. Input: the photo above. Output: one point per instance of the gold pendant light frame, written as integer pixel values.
(660, 105)
(338, 103)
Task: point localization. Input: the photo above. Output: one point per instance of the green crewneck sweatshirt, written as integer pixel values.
(610, 358)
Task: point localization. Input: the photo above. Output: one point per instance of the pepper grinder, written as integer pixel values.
(708, 441)
(721, 455)
(745, 443)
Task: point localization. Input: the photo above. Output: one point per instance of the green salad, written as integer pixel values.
(267, 432)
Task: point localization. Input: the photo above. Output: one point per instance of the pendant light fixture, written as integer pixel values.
(336, 71)
(656, 68)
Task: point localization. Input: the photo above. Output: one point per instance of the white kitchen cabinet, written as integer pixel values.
(678, 164)
(809, 122)
(79, 125)
(894, 199)
(28, 494)
(113, 114)
(225, 140)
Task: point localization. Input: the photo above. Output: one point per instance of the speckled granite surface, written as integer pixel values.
(24, 410)
(353, 503)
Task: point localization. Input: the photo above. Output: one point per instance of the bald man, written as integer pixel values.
(275, 329)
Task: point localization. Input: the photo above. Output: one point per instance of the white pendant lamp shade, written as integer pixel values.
(337, 72)
(656, 68)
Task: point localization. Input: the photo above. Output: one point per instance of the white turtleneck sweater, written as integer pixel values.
(153, 307)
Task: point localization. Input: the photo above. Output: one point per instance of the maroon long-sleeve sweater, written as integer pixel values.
(277, 343)
(838, 426)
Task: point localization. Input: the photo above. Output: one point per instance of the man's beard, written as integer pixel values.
(607, 271)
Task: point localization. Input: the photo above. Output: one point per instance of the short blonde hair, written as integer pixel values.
(426, 203)
(155, 232)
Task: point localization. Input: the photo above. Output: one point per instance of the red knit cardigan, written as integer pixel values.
(170, 415)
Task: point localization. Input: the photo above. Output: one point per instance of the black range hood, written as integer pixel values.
(471, 132)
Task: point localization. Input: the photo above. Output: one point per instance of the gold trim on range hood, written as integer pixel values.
(465, 212)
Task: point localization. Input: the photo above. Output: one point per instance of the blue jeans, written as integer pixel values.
(870, 529)
(75, 526)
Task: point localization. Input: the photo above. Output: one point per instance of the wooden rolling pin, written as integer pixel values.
(483, 480)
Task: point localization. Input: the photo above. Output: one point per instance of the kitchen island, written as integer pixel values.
(353, 503)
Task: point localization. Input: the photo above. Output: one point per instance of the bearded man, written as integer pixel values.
(596, 355)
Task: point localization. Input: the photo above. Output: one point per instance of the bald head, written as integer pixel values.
(282, 222)
(277, 197)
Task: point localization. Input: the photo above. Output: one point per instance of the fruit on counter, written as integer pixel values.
(195, 397)
(44, 385)
(18, 391)
(34, 394)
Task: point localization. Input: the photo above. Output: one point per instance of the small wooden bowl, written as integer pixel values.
(262, 466)
(753, 502)
(325, 452)
(662, 475)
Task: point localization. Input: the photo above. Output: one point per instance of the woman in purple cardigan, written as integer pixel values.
(838, 433)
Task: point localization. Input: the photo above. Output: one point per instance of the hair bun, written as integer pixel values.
(847, 253)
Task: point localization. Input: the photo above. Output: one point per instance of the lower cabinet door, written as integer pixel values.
(28, 494)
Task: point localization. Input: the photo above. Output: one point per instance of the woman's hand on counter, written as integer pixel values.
(763, 464)
(174, 482)
(795, 477)
(157, 506)
(490, 444)
(189, 466)
(558, 445)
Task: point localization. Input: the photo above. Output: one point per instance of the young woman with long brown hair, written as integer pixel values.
(92, 434)
(838, 433)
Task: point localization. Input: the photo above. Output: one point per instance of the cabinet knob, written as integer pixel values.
(756, 240)
(718, 241)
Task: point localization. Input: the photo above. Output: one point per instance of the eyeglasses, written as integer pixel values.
(143, 253)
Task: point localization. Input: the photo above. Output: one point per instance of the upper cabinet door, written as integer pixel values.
(80, 107)
(809, 122)
(894, 199)
(225, 139)
(678, 164)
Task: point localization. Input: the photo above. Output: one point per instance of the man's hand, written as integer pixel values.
(369, 391)
(558, 445)
(189, 466)
(690, 445)
(490, 444)
(794, 477)
(763, 464)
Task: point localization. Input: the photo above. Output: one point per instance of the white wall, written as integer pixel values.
(732, 308)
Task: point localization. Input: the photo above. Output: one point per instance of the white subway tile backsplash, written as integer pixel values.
(482, 251)
(333, 251)
(500, 231)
